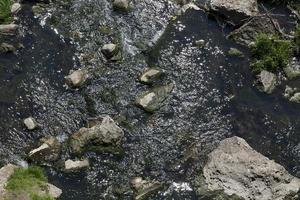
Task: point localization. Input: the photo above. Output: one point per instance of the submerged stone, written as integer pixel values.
(30, 123)
(122, 5)
(144, 188)
(48, 151)
(76, 78)
(150, 75)
(153, 99)
(75, 165)
(235, 10)
(108, 133)
(8, 29)
(235, 52)
(268, 81)
(236, 168)
(200, 43)
(6, 48)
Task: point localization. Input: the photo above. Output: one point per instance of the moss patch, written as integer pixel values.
(5, 13)
(28, 181)
(270, 53)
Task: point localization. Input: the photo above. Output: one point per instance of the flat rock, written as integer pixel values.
(30, 123)
(153, 99)
(235, 10)
(75, 165)
(48, 151)
(268, 81)
(76, 78)
(8, 29)
(236, 168)
(108, 133)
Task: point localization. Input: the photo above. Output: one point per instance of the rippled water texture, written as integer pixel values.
(213, 97)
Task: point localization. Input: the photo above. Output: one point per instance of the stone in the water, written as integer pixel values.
(8, 29)
(236, 168)
(48, 151)
(76, 78)
(268, 81)
(153, 99)
(144, 188)
(150, 75)
(292, 70)
(235, 10)
(108, 133)
(200, 43)
(15, 8)
(6, 48)
(235, 52)
(122, 5)
(75, 165)
(295, 98)
(30, 123)
(109, 50)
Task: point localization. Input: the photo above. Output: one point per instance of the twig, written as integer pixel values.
(295, 12)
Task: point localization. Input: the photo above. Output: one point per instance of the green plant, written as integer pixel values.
(28, 181)
(270, 53)
(5, 13)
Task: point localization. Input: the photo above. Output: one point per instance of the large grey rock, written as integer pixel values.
(268, 81)
(236, 168)
(8, 29)
(235, 10)
(153, 99)
(30, 123)
(247, 33)
(75, 165)
(108, 133)
(52, 191)
(48, 151)
(76, 78)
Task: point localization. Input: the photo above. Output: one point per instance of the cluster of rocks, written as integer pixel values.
(292, 94)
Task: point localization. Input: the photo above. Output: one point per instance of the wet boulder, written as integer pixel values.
(30, 123)
(268, 81)
(150, 75)
(154, 99)
(7, 48)
(235, 10)
(109, 50)
(48, 151)
(122, 5)
(200, 43)
(8, 29)
(247, 33)
(144, 188)
(106, 134)
(15, 8)
(76, 165)
(234, 52)
(237, 169)
(76, 78)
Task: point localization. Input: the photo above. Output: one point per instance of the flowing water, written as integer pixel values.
(214, 96)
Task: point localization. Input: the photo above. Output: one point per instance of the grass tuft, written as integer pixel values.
(5, 11)
(270, 53)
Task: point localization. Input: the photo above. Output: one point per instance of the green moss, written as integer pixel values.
(270, 53)
(5, 13)
(28, 181)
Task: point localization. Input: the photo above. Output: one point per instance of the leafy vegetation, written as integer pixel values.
(270, 53)
(28, 181)
(5, 13)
